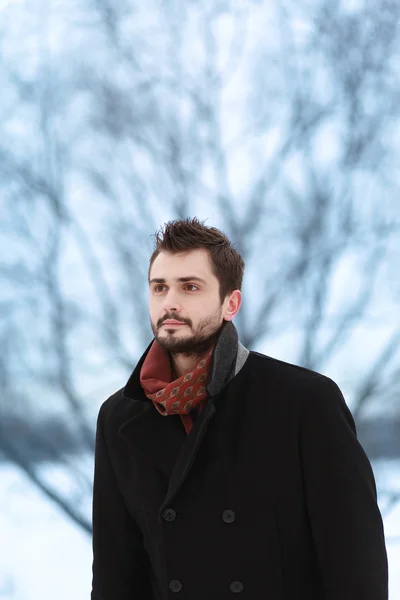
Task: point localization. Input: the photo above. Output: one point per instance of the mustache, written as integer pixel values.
(174, 318)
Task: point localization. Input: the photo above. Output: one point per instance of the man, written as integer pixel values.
(222, 471)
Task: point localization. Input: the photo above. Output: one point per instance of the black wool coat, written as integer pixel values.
(270, 495)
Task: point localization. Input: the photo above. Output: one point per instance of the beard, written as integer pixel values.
(203, 337)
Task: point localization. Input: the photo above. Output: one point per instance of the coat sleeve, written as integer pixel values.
(121, 567)
(340, 488)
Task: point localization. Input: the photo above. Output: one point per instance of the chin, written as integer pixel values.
(185, 345)
(172, 341)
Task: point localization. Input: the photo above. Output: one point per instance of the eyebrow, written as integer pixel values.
(178, 279)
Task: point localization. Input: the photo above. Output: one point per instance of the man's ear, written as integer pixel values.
(233, 305)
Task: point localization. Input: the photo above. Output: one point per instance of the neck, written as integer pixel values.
(183, 363)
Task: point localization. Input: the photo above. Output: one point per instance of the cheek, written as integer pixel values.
(206, 311)
(153, 310)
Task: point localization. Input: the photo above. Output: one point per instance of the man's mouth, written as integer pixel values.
(173, 323)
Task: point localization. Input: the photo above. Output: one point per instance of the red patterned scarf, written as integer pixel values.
(181, 395)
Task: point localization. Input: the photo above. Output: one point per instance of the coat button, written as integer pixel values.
(228, 516)
(175, 585)
(169, 514)
(236, 586)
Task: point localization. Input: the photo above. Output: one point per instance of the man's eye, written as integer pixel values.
(191, 285)
(157, 288)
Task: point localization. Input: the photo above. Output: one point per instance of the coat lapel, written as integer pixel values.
(163, 443)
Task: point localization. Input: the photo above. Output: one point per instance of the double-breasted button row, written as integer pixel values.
(228, 515)
(235, 586)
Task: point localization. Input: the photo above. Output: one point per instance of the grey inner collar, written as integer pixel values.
(241, 357)
(229, 357)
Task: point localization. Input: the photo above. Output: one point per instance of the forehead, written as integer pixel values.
(184, 264)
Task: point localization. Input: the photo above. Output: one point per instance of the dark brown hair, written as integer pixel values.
(190, 234)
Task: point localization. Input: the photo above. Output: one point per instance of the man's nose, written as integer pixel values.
(171, 303)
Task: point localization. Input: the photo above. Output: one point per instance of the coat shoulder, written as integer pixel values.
(309, 390)
(269, 365)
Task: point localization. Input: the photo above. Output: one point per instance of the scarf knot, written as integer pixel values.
(177, 397)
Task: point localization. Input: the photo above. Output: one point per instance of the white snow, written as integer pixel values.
(43, 555)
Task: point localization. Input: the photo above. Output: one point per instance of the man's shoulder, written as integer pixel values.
(308, 387)
(269, 365)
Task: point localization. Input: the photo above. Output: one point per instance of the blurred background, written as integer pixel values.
(276, 121)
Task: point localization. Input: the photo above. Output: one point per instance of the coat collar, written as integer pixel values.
(162, 440)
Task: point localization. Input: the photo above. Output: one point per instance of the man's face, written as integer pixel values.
(185, 306)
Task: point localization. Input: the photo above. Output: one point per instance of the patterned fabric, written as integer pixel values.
(181, 395)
